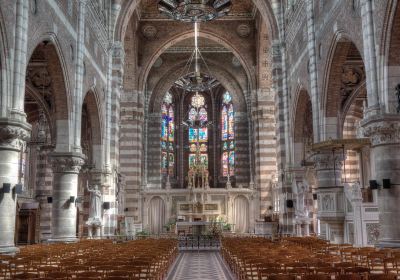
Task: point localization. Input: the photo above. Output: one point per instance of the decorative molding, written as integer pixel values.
(328, 161)
(243, 30)
(67, 162)
(149, 31)
(382, 130)
(14, 134)
(236, 62)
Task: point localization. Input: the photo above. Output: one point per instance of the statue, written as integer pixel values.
(94, 222)
(302, 190)
(95, 202)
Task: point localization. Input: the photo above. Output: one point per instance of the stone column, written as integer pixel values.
(384, 132)
(330, 193)
(79, 72)
(13, 135)
(66, 167)
(370, 56)
(313, 68)
(20, 59)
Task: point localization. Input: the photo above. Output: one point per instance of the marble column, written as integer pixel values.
(330, 193)
(13, 135)
(384, 132)
(66, 167)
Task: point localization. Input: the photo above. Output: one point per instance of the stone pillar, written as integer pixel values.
(384, 132)
(13, 135)
(313, 68)
(79, 72)
(66, 167)
(330, 193)
(370, 56)
(20, 58)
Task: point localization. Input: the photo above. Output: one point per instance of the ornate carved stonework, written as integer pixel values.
(328, 161)
(236, 62)
(13, 134)
(382, 131)
(67, 162)
(352, 76)
(149, 31)
(39, 76)
(243, 30)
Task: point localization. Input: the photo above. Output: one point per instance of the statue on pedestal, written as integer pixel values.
(302, 190)
(95, 220)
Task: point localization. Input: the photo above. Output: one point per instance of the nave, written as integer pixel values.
(242, 258)
(206, 265)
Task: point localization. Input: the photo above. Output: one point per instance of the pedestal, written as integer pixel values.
(13, 135)
(384, 132)
(94, 231)
(330, 194)
(66, 167)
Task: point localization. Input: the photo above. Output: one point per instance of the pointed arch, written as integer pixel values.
(47, 77)
(345, 72)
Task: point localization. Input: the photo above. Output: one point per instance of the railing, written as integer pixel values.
(199, 242)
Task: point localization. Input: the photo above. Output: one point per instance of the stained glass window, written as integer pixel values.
(167, 135)
(228, 136)
(198, 135)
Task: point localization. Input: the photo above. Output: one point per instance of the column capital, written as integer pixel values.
(13, 133)
(67, 162)
(382, 129)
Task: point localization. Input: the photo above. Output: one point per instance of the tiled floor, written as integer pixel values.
(200, 266)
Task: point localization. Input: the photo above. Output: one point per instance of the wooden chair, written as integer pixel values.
(26, 275)
(58, 275)
(382, 277)
(348, 277)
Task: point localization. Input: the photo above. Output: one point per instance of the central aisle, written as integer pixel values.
(200, 266)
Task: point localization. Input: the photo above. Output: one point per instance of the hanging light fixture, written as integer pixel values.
(197, 81)
(194, 10)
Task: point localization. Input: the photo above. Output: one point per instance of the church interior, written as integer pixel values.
(200, 139)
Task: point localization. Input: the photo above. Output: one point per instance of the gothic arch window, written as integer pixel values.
(198, 115)
(167, 135)
(227, 136)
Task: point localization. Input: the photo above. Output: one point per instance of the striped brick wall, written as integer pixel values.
(44, 187)
(265, 147)
(154, 150)
(351, 167)
(263, 115)
(131, 148)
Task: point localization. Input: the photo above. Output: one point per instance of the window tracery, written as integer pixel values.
(167, 135)
(228, 136)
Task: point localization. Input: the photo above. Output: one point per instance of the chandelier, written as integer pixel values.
(194, 10)
(196, 81)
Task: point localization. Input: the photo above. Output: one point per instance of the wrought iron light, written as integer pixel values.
(194, 10)
(197, 83)
(197, 80)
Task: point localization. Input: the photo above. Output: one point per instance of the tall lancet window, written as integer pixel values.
(198, 136)
(167, 135)
(228, 136)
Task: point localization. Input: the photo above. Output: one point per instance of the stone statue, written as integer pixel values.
(95, 203)
(302, 190)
